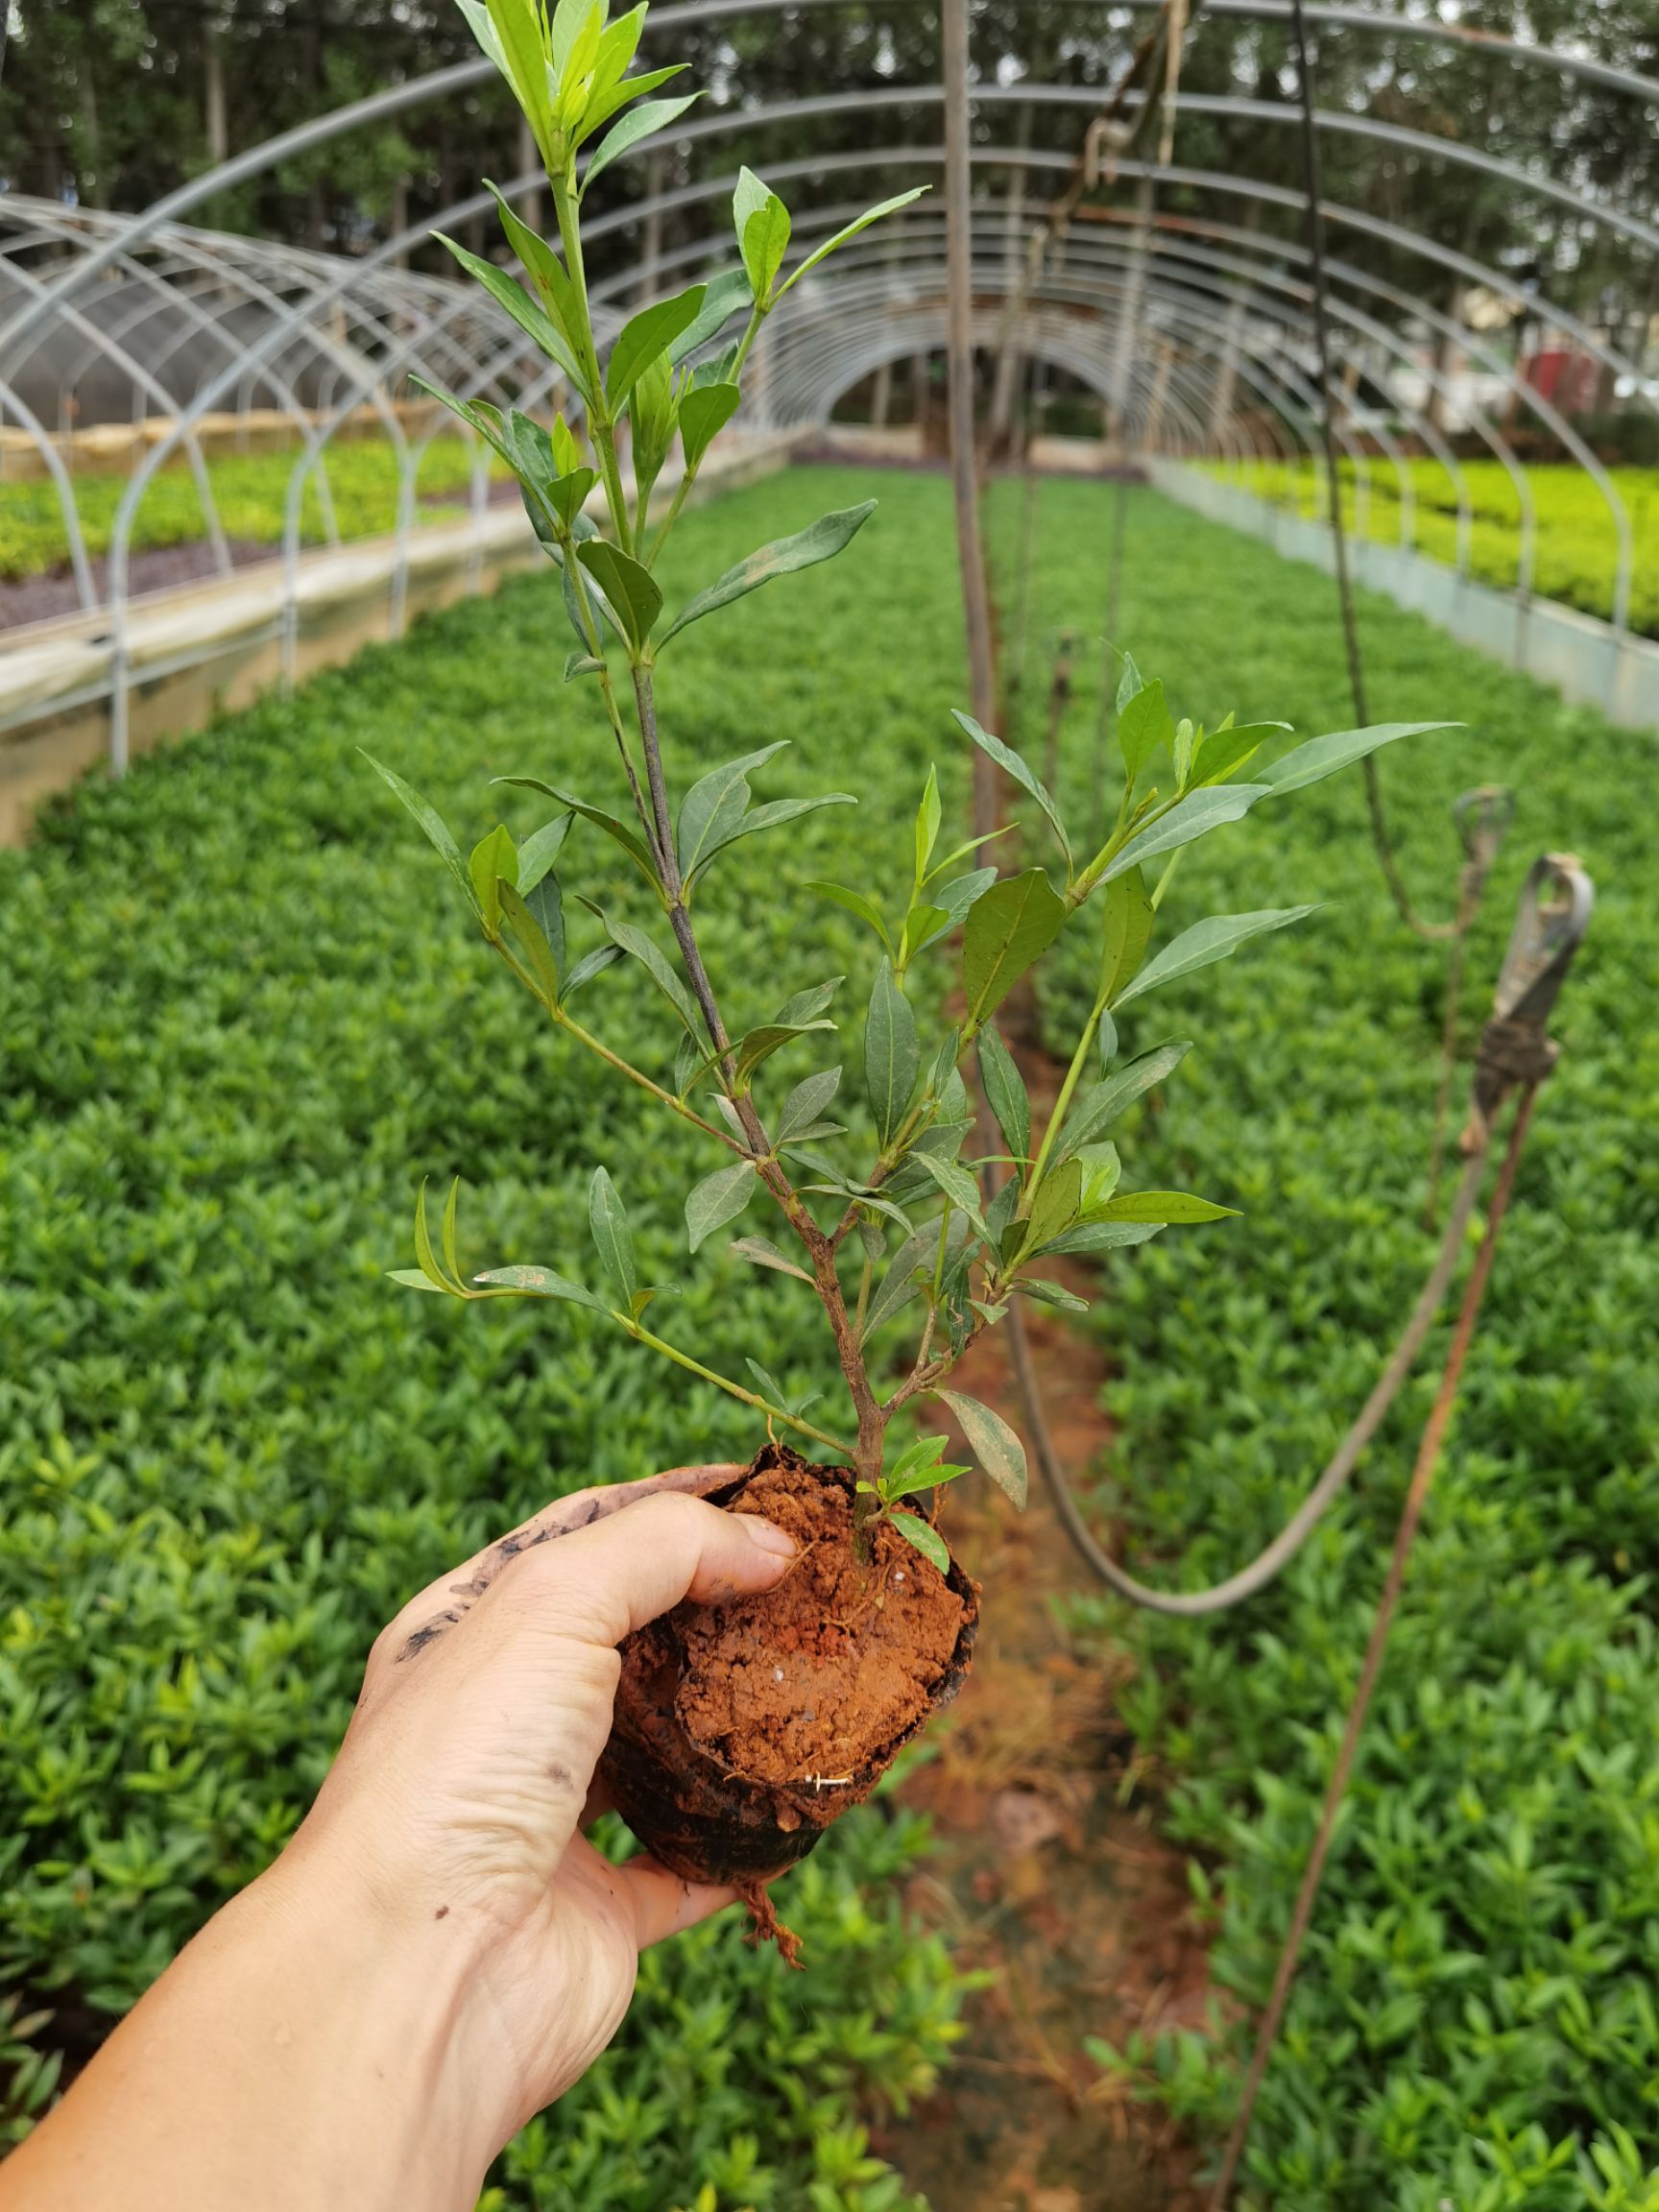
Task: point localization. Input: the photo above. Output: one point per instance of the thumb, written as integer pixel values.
(603, 1582)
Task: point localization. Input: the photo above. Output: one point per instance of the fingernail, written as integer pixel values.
(769, 1537)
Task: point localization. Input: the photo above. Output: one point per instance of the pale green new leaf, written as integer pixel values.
(704, 412)
(645, 335)
(1144, 727)
(1163, 1206)
(854, 902)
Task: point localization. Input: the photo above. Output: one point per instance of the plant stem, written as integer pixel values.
(599, 424)
(752, 1398)
(637, 1076)
(1074, 1074)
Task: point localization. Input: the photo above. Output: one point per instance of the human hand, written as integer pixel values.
(457, 1801)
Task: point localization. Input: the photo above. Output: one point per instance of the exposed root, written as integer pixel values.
(765, 1926)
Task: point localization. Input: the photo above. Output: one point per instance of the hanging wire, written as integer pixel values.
(1313, 183)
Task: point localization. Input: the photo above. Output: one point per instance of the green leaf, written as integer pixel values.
(612, 1238)
(820, 541)
(532, 320)
(1163, 1206)
(1145, 726)
(1228, 748)
(546, 270)
(655, 962)
(1006, 932)
(531, 935)
(424, 1251)
(805, 1103)
(953, 902)
(704, 412)
(714, 805)
(851, 231)
(581, 664)
(1005, 1093)
(1098, 1109)
(915, 1255)
(589, 965)
(772, 815)
(722, 296)
(1127, 930)
(992, 1442)
(1049, 1294)
(645, 335)
(1056, 1205)
(494, 860)
(758, 1044)
(925, 1538)
(1098, 1236)
(807, 1005)
(854, 902)
(629, 839)
(1213, 938)
(413, 1279)
(541, 1283)
(921, 1466)
(1012, 764)
(891, 1056)
(1323, 756)
(957, 1184)
(655, 115)
(628, 585)
(605, 104)
(431, 821)
(761, 1252)
(929, 816)
(717, 1199)
(1189, 818)
(761, 221)
(539, 851)
(1129, 682)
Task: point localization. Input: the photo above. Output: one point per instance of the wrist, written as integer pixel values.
(382, 2007)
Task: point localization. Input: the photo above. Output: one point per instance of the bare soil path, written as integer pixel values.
(1045, 1874)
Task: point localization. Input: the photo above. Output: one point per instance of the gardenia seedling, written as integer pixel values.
(908, 1234)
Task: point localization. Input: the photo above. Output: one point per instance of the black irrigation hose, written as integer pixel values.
(1194, 1604)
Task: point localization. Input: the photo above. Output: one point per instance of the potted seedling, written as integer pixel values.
(743, 1730)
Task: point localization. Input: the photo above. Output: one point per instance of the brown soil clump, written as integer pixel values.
(809, 1682)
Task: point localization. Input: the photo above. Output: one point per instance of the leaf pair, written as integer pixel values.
(715, 813)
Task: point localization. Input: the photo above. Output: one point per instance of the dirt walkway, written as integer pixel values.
(1043, 1874)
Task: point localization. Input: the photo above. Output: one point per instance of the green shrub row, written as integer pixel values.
(1577, 546)
(1477, 2019)
(239, 1020)
(250, 491)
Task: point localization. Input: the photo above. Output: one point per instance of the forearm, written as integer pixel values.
(304, 2053)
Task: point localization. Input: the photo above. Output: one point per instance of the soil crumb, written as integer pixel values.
(810, 1682)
